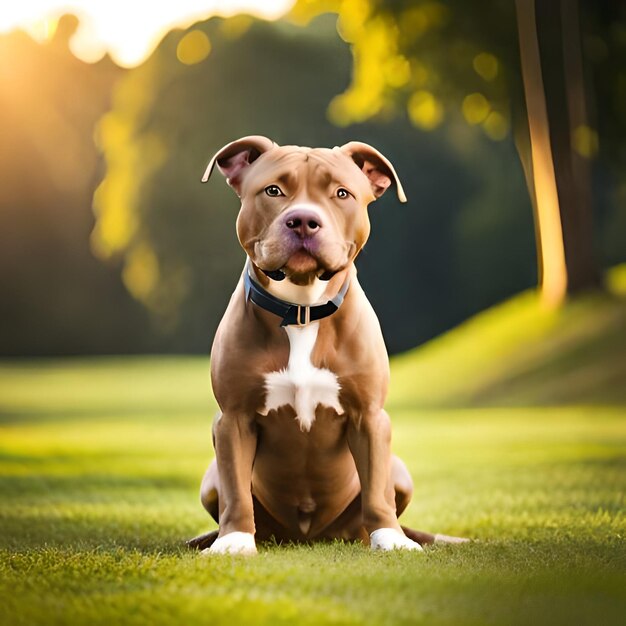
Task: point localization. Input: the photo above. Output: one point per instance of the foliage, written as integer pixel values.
(439, 60)
(464, 241)
(100, 472)
(56, 298)
(435, 58)
(446, 57)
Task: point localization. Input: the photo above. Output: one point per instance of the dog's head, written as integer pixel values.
(303, 210)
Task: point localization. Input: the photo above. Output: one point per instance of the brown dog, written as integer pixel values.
(299, 366)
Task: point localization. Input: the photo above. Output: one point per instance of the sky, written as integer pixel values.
(128, 30)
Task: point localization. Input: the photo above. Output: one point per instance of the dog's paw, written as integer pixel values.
(233, 543)
(392, 539)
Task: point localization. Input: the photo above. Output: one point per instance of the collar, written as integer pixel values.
(291, 313)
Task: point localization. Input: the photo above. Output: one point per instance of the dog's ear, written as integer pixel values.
(236, 156)
(375, 166)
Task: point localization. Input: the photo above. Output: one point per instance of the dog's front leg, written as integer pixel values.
(370, 442)
(235, 440)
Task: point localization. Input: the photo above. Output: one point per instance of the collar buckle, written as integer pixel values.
(307, 315)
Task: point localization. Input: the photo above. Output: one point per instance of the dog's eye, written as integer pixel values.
(343, 193)
(274, 191)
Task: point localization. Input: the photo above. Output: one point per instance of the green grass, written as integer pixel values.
(520, 353)
(100, 464)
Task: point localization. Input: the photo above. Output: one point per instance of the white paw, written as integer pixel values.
(233, 543)
(392, 539)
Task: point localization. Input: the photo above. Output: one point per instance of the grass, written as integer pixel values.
(100, 463)
(520, 353)
(99, 476)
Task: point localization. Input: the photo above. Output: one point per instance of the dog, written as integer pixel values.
(299, 367)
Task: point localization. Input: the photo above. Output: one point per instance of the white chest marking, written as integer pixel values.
(301, 385)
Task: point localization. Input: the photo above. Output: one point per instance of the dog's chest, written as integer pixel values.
(301, 385)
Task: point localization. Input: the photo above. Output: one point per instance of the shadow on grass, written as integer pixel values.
(131, 526)
(85, 511)
(89, 487)
(146, 411)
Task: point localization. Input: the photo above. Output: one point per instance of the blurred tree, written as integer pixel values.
(453, 56)
(559, 180)
(56, 298)
(222, 79)
(463, 243)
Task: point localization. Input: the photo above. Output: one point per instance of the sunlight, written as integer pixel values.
(128, 31)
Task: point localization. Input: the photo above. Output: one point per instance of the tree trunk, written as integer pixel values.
(551, 61)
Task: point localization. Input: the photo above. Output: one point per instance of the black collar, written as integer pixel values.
(297, 314)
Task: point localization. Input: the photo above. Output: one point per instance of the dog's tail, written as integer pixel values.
(202, 541)
(426, 539)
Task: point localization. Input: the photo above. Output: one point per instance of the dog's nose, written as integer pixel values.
(304, 223)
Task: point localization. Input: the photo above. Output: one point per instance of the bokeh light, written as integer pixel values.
(585, 141)
(425, 111)
(475, 108)
(193, 48)
(486, 65)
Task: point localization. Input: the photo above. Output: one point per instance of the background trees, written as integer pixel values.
(56, 297)
(441, 57)
(436, 86)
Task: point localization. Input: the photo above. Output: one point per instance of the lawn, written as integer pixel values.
(521, 354)
(100, 466)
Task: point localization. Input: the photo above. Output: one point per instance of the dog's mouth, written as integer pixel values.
(302, 269)
(301, 263)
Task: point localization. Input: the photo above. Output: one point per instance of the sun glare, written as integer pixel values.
(128, 31)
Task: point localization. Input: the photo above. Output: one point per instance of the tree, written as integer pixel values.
(56, 297)
(436, 56)
(559, 180)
